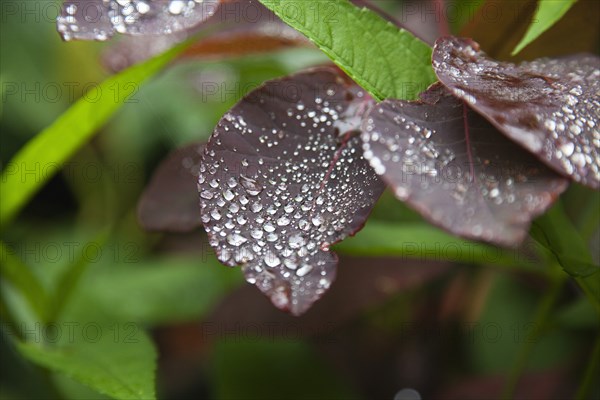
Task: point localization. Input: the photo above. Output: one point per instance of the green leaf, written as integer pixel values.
(43, 156)
(579, 314)
(506, 322)
(20, 276)
(262, 368)
(555, 233)
(69, 280)
(421, 241)
(386, 61)
(547, 14)
(162, 291)
(116, 360)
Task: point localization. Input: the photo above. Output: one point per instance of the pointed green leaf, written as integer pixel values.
(557, 235)
(43, 155)
(22, 278)
(116, 360)
(386, 61)
(548, 13)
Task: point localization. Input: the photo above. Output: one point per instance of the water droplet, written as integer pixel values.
(256, 207)
(207, 194)
(296, 241)
(317, 220)
(272, 260)
(304, 270)
(567, 148)
(228, 195)
(215, 214)
(236, 239)
(283, 221)
(253, 188)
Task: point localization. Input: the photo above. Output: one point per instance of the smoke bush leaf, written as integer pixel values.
(386, 60)
(100, 19)
(251, 29)
(549, 106)
(170, 201)
(547, 14)
(456, 169)
(283, 178)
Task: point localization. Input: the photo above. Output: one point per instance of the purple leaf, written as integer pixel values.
(170, 201)
(283, 178)
(456, 169)
(549, 106)
(240, 28)
(100, 19)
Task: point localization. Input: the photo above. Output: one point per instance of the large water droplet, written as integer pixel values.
(236, 239)
(296, 241)
(283, 221)
(304, 270)
(253, 188)
(272, 260)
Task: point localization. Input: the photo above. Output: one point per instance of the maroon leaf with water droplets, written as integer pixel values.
(241, 28)
(283, 178)
(456, 169)
(100, 19)
(551, 107)
(170, 201)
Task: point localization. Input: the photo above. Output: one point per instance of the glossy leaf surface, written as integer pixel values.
(387, 61)
(549, 106)
(283, 178)
(456, 169)
(238, 28)
(100, 19)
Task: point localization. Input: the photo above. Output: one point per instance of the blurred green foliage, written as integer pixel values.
(84, 291)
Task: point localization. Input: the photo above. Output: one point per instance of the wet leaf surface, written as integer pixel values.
(456, 169)
(282, 179)
(170, 201)
(239, 28)
(550, 107)
(100, 19)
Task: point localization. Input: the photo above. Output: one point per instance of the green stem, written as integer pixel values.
(540, 322)
(591, 373)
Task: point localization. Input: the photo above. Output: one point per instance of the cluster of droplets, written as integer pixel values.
(276, 192)
(99, 19)
(550, 106)
(573, 131)
(476, 182)
(405, 147)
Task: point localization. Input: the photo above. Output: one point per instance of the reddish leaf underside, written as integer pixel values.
(100, 19)
(551, 107)
(456, 169)
(170, 201)
(283, 178)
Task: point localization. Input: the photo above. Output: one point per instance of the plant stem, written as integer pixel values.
(591, 373)
(540, 322)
